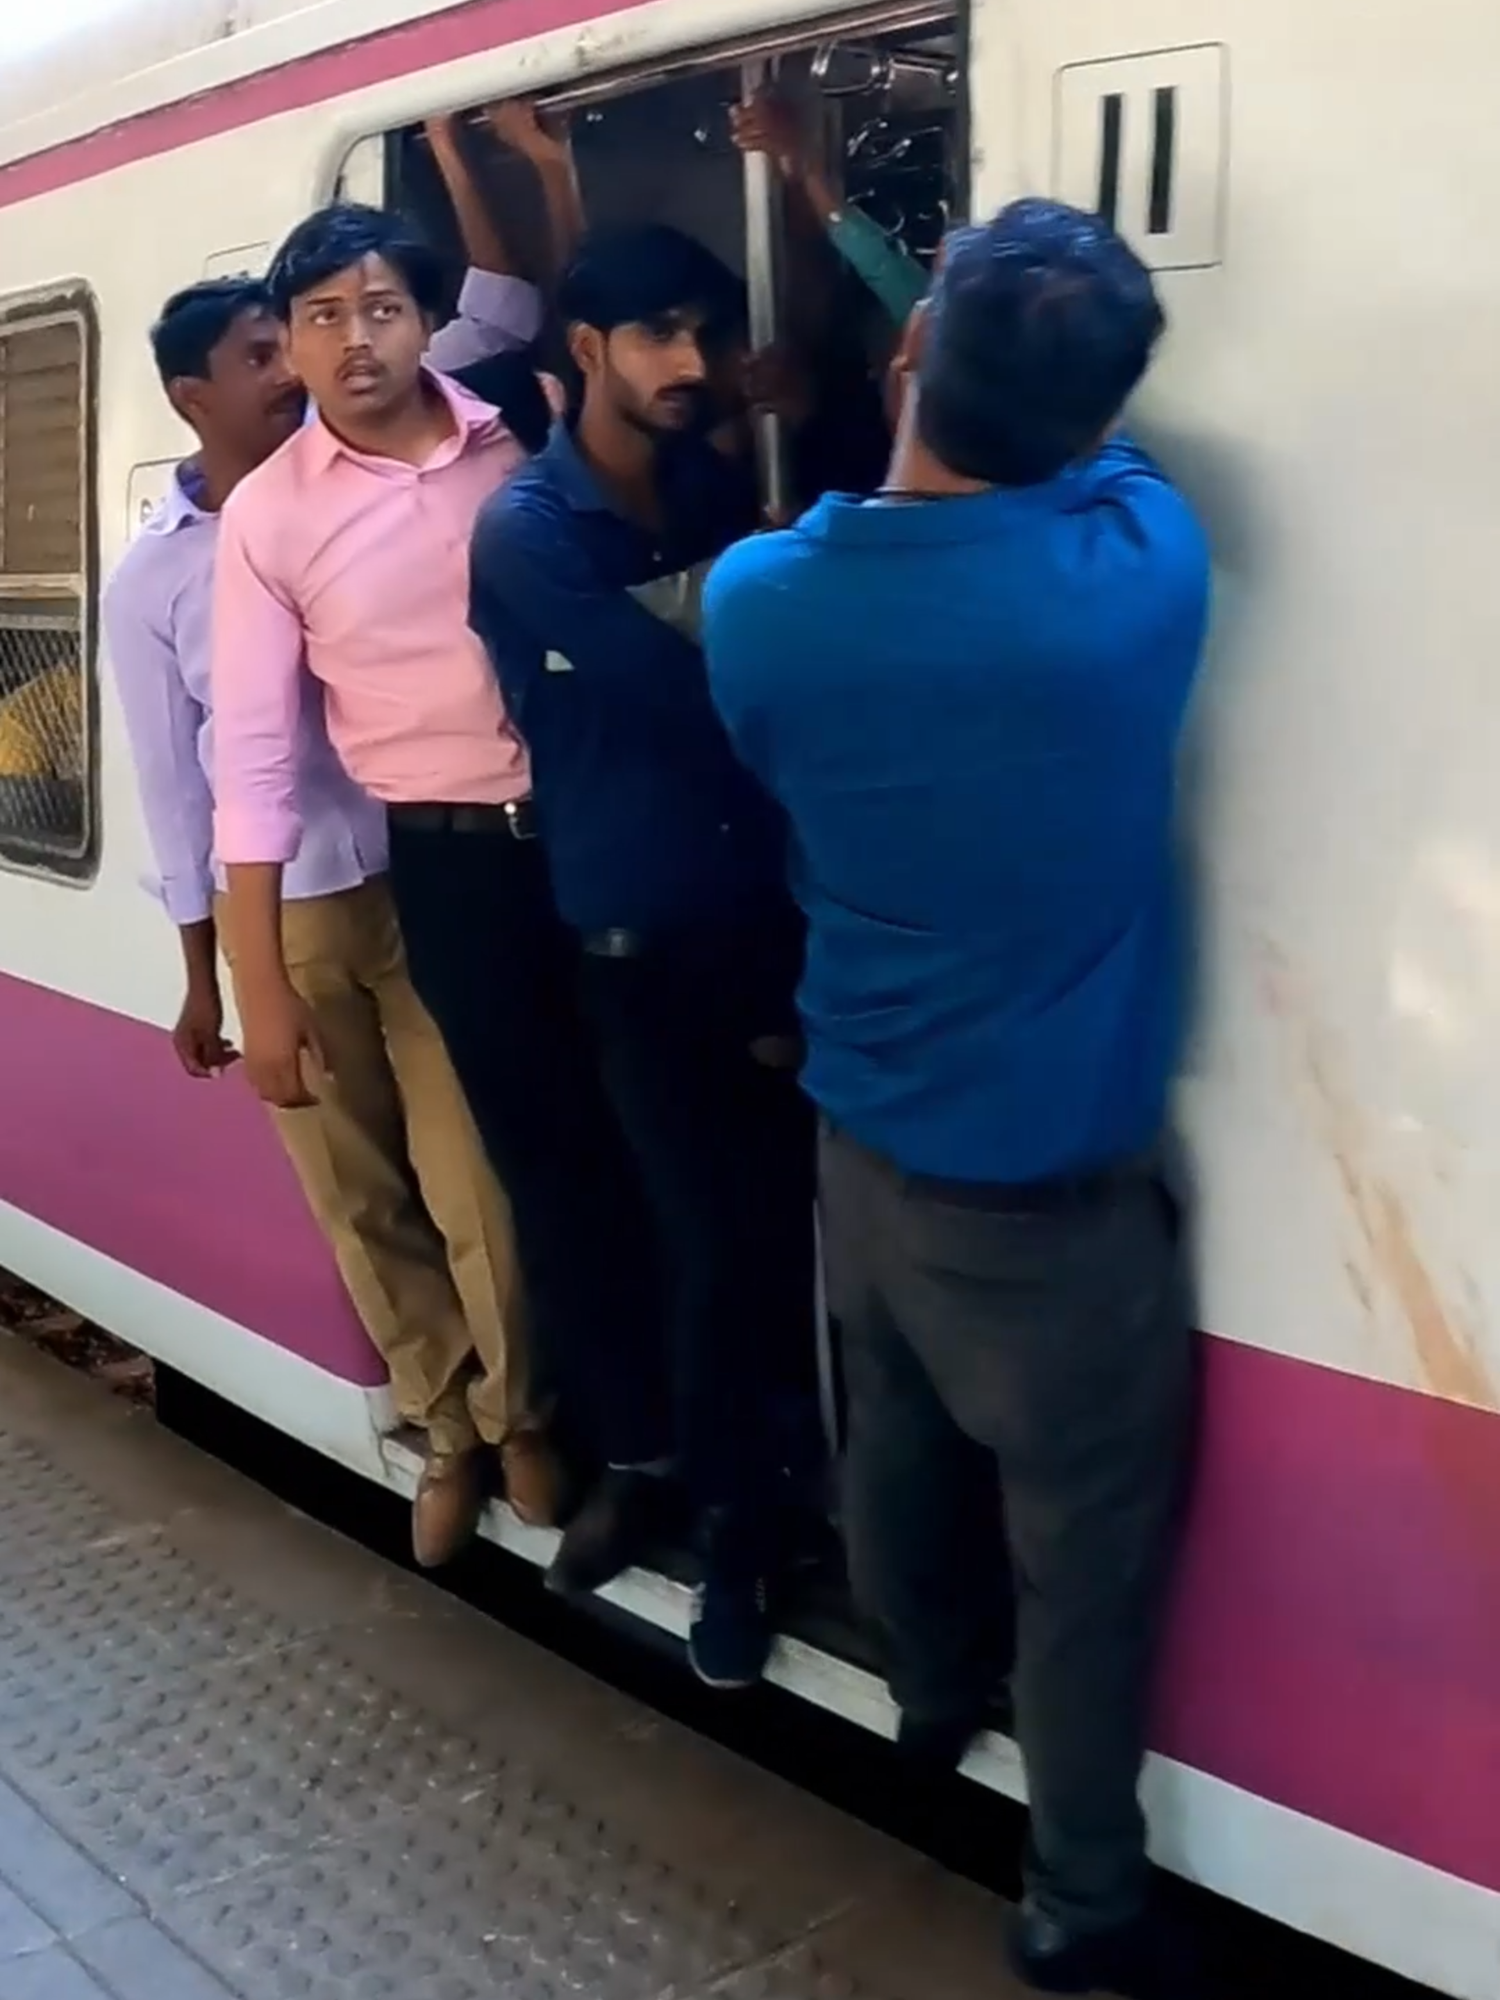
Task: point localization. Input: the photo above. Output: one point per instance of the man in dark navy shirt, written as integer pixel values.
(967, 695)
(668, 862)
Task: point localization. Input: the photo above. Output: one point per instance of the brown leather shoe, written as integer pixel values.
(535, 1484)
(445, 1514)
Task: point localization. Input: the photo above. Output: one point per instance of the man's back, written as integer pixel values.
(969, 708)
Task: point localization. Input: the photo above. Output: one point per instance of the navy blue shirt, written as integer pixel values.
(969, 709)
(591, 621)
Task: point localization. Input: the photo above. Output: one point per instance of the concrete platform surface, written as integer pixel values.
(241, 1757)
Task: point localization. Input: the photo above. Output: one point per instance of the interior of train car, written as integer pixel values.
(881, 111)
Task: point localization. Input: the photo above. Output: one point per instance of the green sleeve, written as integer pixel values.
(885, 265)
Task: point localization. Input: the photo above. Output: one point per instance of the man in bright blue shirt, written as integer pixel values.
(967, 695)
(668, 862)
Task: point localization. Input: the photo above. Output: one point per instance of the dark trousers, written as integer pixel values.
(725, 1148)
(1029, 1365)
(497, 971)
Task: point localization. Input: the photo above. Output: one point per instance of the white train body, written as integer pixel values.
(1328, 1734)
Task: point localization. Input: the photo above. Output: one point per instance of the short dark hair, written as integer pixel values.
(1039, 326)
(193, 322)
(632, 277)
(335, 238)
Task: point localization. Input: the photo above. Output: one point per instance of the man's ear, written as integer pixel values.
(912, 344)
(586, 346)
(901, 376)
(185, 394)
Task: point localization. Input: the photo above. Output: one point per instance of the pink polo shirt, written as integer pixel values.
(356, 570)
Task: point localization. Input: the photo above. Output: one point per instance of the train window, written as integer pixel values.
(47, 791)
(833, 252)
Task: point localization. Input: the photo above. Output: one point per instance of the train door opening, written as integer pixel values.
(833, 226)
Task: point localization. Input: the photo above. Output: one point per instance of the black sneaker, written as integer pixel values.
(732, 1631)
(1147, 1960)
(936, 1745)
(611, 1532)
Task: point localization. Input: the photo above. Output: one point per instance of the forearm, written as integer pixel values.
(200, 955)
(817, 192)
(564, 204)
(255, 924)
(485, 247)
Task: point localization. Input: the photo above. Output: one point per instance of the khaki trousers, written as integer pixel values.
(393, 1170)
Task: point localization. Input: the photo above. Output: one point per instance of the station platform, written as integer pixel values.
(240, 1756)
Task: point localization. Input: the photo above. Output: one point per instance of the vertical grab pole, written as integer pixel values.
(761, 218)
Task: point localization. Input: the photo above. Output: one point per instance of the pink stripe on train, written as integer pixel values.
(1337, 1630)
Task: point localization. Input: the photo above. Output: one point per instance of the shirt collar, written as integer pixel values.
(478, 423)
(180, 508)
(896, 523)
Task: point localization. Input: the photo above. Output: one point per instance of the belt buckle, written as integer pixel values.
(520, 819)
(616, 944)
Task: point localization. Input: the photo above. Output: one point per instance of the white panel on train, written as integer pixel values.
(1144, 140)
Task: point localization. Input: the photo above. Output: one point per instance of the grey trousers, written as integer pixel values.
(1021, 1393)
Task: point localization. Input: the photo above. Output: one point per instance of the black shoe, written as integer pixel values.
(1146, 1960)
(732, 1632)
(610, 1533)
(936, 1745)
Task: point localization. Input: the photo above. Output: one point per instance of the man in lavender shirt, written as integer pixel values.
(433, 1274)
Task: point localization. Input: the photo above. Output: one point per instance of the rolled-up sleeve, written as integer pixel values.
(257, 696)
(163, 723)
(495, 315)
(883, 262)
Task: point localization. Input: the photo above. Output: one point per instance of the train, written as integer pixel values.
(1313, 188)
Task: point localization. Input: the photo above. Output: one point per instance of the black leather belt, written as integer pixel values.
(517, 817)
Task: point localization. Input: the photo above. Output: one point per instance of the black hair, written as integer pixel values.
(634, 277)
(509, 382)
(335, 238)
(1040, 325)
(193, 322)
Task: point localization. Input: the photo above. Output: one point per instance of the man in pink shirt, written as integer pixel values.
(345, 558)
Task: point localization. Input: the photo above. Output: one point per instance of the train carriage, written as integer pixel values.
(1313, 186)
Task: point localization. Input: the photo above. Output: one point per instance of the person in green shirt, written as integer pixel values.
(898, 280)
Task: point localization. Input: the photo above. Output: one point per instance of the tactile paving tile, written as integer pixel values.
(212, 1769)
(291, 1828)
(47, 1515)
(520, 1893)
(117, 1618)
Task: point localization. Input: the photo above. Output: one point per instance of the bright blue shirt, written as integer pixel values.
(591, 622)
(969, 709)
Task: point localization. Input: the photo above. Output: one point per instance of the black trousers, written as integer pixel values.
(725, 1147)
(497, 972)
(1031, 1367)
